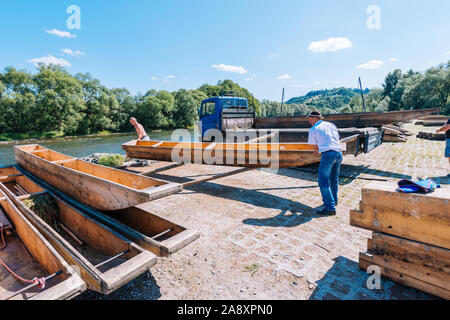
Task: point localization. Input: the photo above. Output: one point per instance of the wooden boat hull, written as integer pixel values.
(96, 243)
(347, 120)
(137, 224)
(225, 154)
(96, 186)
(29, 254)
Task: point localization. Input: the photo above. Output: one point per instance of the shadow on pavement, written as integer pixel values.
(345, 281)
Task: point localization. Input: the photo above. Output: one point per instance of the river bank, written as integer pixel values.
(66, 138)
(82, 146)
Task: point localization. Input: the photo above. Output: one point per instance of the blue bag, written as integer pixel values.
(423, 186)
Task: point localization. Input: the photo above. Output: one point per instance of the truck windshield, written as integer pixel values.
(227, 104)
(241, 103)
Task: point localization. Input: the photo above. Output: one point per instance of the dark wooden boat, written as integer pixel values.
(106, 259)
(97, 186)
(28, 254)
(250, 155)
(347, 120)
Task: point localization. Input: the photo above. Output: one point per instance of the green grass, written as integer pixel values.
(113, 160)
(252, 269)
(10, 136)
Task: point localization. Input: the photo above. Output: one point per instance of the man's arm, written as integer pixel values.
(313, 141)
(444, 128)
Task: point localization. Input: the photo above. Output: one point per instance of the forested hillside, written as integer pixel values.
(400, 91)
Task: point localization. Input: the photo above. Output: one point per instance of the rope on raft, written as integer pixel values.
(38, 281)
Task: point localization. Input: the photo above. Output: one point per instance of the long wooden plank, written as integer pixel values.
(420, 217)
(401, 225)
(434, 205)
(366, 260)
(346, 120)
(415, 270)
(435, 258)
(250, 155)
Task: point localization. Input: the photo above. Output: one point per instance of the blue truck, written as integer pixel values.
(228, 111)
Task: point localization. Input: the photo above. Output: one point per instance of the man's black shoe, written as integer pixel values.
(325, 212)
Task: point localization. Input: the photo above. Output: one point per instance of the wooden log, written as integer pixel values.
(419, 217)
(438, 136)
(366, 260)
(421, 261)
(434, 123)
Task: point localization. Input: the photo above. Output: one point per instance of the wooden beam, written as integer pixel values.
(217, 176)
(171, 166)
(419, 217)
(262, 138)
(366, 260)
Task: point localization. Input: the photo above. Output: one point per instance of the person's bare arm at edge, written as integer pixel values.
(444, 128)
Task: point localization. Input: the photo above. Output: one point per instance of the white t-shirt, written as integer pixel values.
(325, 136)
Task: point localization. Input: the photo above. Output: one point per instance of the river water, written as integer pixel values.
(86, 146)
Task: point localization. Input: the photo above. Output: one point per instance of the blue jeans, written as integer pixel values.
(329, 178)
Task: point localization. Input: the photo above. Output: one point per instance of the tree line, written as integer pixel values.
(53, 102)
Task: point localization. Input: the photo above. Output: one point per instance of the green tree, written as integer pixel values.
(60, 105)
(185, 109)
(126, 106)
(100, 105)
(17, 103)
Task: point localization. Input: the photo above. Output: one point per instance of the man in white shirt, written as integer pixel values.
(325, 138)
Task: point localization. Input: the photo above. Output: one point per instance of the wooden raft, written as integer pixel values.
(411, 236)
(106, 259)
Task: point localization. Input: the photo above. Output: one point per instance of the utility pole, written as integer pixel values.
(362, 95)
(282, 102)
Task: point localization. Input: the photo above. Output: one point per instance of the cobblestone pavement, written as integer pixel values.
(260, 236)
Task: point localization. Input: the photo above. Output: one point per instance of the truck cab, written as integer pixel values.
(228, 111)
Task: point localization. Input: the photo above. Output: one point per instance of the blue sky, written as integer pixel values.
(263, 45)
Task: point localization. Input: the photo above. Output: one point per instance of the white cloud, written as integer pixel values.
(393, 59)
(273, 55)
(447, 53)
(70, 52)
(252, 77)
(62, 34)
(331, 44)
(372, 64)
(284, 77)
(316, 83)
(48, 60)
(228, 68)
(164, 78)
